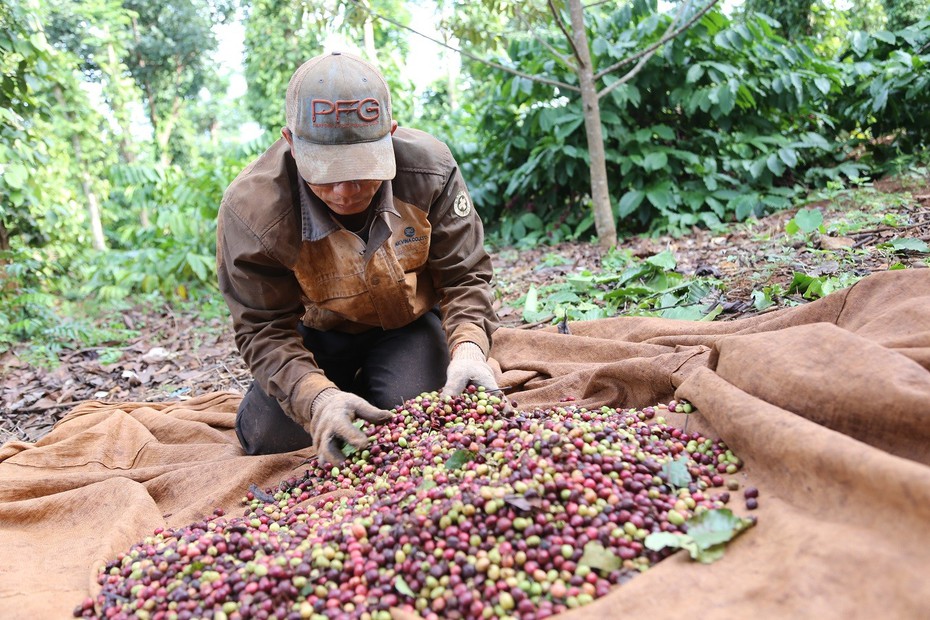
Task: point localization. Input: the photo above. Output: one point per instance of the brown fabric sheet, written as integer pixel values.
(828, 404)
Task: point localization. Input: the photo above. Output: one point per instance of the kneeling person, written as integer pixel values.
(353, 263)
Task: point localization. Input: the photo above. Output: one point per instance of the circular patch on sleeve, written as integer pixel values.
(462, 205)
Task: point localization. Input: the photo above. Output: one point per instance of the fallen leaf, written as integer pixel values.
(836, 243)
(155, 355)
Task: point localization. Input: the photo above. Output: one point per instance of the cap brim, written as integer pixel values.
(320, 164)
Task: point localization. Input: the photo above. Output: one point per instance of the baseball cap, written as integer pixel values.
(339, 114)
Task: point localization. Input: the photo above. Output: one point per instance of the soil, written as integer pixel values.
(181, 354)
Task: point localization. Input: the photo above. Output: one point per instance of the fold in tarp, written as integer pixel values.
(827, 404)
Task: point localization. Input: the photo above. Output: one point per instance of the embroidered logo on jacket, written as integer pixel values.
(462, 206)
(410, 233)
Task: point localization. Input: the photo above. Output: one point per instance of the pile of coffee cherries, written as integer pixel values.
(458, 508)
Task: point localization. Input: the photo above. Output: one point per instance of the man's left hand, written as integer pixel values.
(469, 366)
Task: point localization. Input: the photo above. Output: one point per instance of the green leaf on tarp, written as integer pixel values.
(713, 527)
(426, 485)
(401, 586)
(677, 472)
(707, 535)
(599, 558)
(348, 449)
(459, 458)
(705, 555)
(657, 541)
(907, 244)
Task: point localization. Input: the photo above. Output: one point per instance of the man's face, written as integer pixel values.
(347, 197)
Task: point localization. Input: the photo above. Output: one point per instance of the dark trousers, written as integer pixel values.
(385, 367)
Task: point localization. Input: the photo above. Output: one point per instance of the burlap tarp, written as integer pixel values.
(827, 403)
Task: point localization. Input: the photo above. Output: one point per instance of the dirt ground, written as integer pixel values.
(178, 355)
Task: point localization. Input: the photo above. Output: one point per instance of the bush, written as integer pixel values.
(728, 121)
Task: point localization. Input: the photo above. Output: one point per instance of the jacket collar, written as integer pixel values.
(316, 222)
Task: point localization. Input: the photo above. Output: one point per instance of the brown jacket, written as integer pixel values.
(282, 258)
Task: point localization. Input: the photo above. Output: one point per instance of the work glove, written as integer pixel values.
(330, 425)
(469, 365)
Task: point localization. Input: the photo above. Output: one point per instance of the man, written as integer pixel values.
(352, 261)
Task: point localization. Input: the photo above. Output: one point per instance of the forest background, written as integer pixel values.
(584, 130)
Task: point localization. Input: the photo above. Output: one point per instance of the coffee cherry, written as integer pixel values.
(454, 510)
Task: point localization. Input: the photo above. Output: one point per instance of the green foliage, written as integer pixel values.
(177, 251)
(814, 286)
(626, 286)
(767, 296)
(273, 26)
(170, 58)
(794, 16)
(27, 73)
(34, 312)
(885, 106)
(904, 13)
(728, 122)
(906, 244)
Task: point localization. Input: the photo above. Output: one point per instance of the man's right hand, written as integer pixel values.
(331, 417)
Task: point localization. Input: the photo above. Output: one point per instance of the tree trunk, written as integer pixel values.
(4, 243)
(604, 223)
(368, 35)
(118, 100)
(93, 206)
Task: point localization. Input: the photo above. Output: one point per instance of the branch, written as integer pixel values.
(559, 56)
(626, 78)
(561, 24)
(535, 78)
(652, 48)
